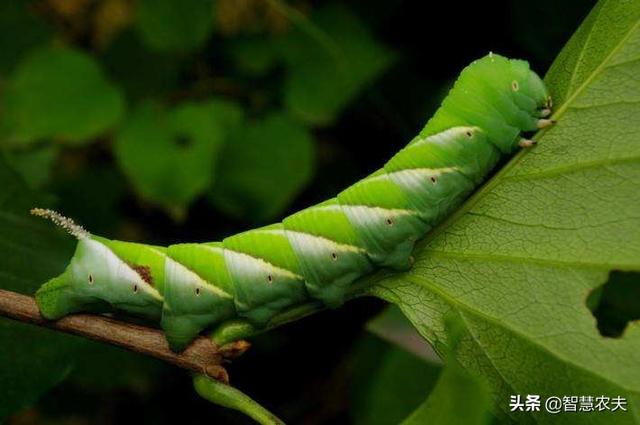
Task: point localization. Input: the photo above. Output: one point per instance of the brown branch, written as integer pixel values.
(202, 356)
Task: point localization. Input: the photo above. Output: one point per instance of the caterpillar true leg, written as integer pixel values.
(543, 123)
(250, 281)
(527, 143)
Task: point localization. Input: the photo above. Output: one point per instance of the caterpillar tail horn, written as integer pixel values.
(93, 280)
(66, 223)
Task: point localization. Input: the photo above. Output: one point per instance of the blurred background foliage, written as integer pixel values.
(165, 121)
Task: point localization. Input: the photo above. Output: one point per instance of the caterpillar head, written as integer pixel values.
(539, 93)
(96, 280)
(528, 89)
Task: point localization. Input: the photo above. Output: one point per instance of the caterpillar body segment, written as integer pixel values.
(501, 96)
(199, 292)
(316, 253)
(99, 278)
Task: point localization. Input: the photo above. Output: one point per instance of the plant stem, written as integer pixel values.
(232, 398)
(202, 356)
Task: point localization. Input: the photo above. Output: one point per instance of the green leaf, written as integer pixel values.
(458, 397)
(265, 164)
(60, 93)
(392, 326)
(33, 165)
(31, 251)
(169, 155)
(174, 25)
(518, 259)
(388, 382)
(254, 56)
(324, 77)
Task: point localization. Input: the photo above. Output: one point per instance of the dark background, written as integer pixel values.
(317, 370)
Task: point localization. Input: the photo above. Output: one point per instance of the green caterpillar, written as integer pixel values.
(319, 252)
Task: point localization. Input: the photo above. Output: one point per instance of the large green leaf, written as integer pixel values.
(60, 93)
(33, 165)
(32, 359)
(265, 164)
(458, 397)
(388, 383)
(254, 56)
(519, 259)
(169, 155)
(323, 77)
(392, 326)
